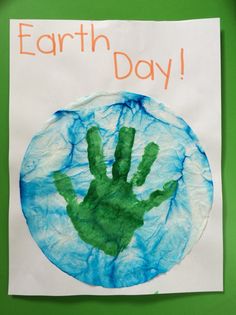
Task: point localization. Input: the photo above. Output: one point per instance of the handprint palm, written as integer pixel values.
(110, 212)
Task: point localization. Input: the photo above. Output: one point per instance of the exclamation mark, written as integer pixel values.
(182, 63)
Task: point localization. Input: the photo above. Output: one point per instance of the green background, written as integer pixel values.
(196, 303)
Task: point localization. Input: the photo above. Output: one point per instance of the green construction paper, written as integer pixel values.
(202, 303)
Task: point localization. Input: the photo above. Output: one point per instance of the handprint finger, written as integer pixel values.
(123, 153)
(144, 168)
(64, 186)
(158, 196)
(97, 164)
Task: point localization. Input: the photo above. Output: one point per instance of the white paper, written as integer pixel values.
(41, 84)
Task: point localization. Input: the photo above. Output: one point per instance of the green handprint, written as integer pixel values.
(110, 212)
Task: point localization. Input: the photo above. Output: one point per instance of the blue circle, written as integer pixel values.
(169, 231)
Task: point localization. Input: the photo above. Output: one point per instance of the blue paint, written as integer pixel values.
(169, 231)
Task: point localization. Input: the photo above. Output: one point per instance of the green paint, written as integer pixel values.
(144, 168)
(110, 212)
